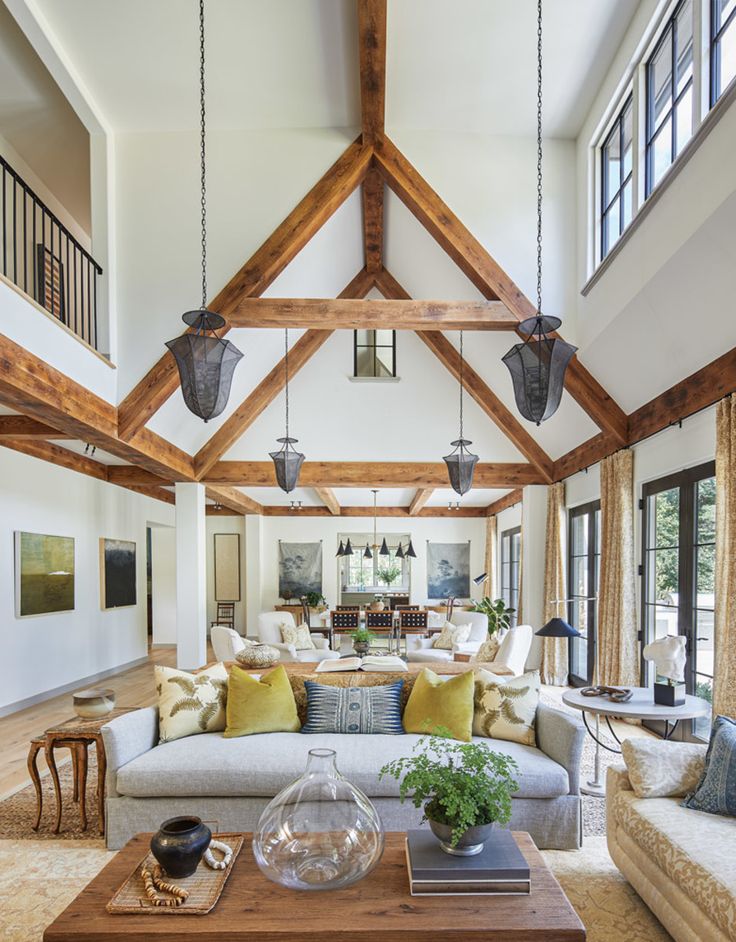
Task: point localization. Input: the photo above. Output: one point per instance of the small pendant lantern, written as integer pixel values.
(206, 363)
(460, 463)
(538, 365)
(287, 461)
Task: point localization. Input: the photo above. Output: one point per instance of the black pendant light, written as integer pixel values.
(461, 463)
(206, 363)
(400, 552)
(367, 554)
(410, 551)
(384, 550)
(538, 365)
(287, 460)
(340, 550)
(348, 551)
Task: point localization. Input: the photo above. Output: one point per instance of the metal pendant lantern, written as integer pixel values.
(206, 362)
(461, 462)
(287, 460)
(538, 365)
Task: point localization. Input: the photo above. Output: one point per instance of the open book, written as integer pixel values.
(371, 662)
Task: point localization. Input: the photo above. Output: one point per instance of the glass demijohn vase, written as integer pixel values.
(320, 832)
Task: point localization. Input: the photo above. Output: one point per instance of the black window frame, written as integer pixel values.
(617, 128)
(373, 346)
(510, 593)
(716, 35)
(652, 132)
(686, 481)
(591, 510)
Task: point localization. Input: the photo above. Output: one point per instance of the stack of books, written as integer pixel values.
(499, 869)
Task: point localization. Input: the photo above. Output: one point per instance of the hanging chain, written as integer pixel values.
(203, 177)
(286, 375)
(461, 384)
(539, 157)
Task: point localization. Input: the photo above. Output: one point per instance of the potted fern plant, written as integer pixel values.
(464, 789)
(361, 639)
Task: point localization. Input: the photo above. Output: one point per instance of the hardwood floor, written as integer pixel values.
(133, 687)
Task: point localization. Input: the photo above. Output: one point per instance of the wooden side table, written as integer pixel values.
(76, 735)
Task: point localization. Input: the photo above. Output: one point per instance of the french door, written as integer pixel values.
(510, 566)
(583, 570)
(678, 563)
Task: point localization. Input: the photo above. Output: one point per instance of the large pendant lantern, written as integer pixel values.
(460, 463)
(206, 363)
(538, 365)
(287, 460)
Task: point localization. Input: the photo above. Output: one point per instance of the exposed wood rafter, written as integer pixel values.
(55, 454)
(420, 499)
(503, 503)
(234, 500)
(328, 498)
(372, 56)
(157, 493)
(255, 276)
(22, 426)
(280, 511)
(373, 220)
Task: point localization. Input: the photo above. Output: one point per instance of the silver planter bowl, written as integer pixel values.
(470, 843)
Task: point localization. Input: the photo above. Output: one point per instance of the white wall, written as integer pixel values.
(45, 652)
(225, 525)
(163, 584)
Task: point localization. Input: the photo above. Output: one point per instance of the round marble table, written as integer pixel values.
(641, 706)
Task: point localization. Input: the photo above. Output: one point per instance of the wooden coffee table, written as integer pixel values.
(378, 909)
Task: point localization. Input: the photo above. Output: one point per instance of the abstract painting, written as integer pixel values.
(300, 569)
(227, 567)
(117, 573)
(44, 574)
(448, 570)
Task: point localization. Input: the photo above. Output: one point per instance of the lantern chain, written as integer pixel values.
(286, 375)
(203, 177)
(539, 157)
(461, 384)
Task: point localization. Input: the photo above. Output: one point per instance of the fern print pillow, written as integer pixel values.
(506, 707)
(190, 703)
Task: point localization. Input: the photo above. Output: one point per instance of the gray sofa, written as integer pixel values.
(230, 781)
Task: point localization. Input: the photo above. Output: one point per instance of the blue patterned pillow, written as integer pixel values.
(353, 709)
(716, 791)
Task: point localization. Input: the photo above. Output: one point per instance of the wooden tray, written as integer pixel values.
(205, 886)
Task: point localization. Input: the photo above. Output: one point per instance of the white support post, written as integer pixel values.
(253, 573)
(533, 537)
(191, 577)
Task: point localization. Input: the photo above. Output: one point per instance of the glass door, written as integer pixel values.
(678, 563)
(510, 566)
(583, 570)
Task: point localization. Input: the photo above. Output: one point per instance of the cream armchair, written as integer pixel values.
(226, 642)
(421, 649)
(269, 632)
(513, 651)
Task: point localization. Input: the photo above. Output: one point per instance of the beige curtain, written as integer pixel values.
(490, 588)
(724, 692)
(618, 660)
(519, 612)
(554, 664)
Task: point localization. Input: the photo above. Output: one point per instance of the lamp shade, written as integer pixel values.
(400, 552)
(348, 551)
(367, 554)
(340, 550)
(410, 551)
(479, 580)
(384, 550)
(206, 364)
(558, 628)
(287, 462)
(538, 368)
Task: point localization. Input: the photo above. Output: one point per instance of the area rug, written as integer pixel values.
(38, 881)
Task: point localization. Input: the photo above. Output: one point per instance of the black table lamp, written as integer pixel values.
(558, 628)
(479, 580)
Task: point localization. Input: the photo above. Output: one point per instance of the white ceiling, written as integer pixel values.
(451, 64)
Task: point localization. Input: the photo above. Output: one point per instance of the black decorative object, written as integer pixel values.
(558, 628)
(287, 460)
(410, 551)
(179, 845)
(538, 365)
(384, 550)
(461, 463)
(400, 552)
(348, 551)
(479, 580)
(367, 554)
(340, 550)
(206, 363)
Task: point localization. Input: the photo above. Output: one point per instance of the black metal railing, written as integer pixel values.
(41, 257)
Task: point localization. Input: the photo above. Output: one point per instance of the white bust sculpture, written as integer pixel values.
(669, 656)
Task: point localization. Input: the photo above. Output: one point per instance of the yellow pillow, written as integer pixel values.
(434, 703)
(260, 706)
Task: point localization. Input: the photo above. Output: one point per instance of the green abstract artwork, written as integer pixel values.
(44, 574)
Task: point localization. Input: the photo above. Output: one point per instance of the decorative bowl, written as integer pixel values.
(93, 702)
(258, 655)
(470, 844)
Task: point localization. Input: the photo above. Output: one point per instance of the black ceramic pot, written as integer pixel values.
(179, 845)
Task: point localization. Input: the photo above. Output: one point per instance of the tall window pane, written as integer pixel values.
(583, 568)
(616, 177)
(723, 46)
(510, 567)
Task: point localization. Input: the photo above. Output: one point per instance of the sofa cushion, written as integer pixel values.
(716, 790)
(506, 707)
(694, 849)
(441, 704)
(260, 704)
(660, 768)
(359, 710)
(263, 764)
(190, 703)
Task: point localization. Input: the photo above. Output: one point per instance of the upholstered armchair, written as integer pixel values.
(513, 651)
(226, 642)
(269, 632)
(421, 649)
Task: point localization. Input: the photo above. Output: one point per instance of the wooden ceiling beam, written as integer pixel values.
(503, 503)
(337, 314)
(126, 475)
(371, 474)
(234, 500)
(487, 275)
(373, 220)
(56, 454)
(328, 498)
(22, 426)
(420, 499)
(372, 58)
(307, 218)
(157, 493)
(271, 386)
(283, 511)
(478, 389)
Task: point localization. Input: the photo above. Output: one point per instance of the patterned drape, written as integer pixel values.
(490, 588)
(554, 664)
(618, 659)
(724, 692)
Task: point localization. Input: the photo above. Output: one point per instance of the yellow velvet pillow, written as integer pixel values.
(260, 706)
(434, 703)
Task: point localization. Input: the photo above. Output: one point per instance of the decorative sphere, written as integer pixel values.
(258, 655)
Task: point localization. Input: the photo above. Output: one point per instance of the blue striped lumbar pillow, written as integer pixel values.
(716, 791)
(353, 709)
